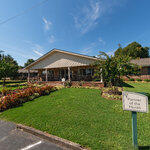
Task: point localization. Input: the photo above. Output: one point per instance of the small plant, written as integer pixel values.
(47, 92)
(147, 80)
(131, 79)
(81, 83)
(5, 91)
(112, 92)
(36, 95)
(67, 84)
(138, 79)
(32, 97)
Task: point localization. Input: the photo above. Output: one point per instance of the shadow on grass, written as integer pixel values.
(124, 84)
(11, 82)
(144, 147)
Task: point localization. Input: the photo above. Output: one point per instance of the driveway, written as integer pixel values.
(12, 138)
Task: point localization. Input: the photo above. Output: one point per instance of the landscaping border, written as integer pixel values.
(54, 139)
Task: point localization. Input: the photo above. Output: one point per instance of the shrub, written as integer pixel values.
(138, 79)
(131, 79)
(81, 83)
(67, 84)
(32, 97)
(47, 92)
(147, 80)
(5, 91)
(17, 97)
(36, 95)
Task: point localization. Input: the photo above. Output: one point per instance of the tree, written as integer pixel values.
(1, 51)
(29, 61)
(111, 68)
(133, 50)
(8, 67)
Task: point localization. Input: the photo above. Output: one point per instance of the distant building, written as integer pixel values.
(145, 67)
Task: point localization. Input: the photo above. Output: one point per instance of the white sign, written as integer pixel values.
(135, 102)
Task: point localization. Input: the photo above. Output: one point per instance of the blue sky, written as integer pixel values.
(81, 26)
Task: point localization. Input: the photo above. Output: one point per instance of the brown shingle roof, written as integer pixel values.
(141, 61)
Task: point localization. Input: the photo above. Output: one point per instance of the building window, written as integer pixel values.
(87, 72)
(82, 72)
(50, 72)
(43, 72)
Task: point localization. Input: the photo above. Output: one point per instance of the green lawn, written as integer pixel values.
(138, 87)
(84, 117)
(11, 84)
(12, 88)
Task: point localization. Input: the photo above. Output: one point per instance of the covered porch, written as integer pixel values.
(58, 64)
(80, 73)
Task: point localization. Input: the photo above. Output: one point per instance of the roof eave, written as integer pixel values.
(45, 55)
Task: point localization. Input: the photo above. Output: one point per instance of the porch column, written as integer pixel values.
(46, 75)
(28, 75)
(38, 75)
(69, 74)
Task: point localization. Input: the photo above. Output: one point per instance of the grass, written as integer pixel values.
(12, 88)
(84, 117)
(138, 87)
(12, 82)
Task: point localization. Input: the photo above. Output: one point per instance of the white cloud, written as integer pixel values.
(36, 48)
(88, 50)
(37, 52)
(47, 24)
(52, 39)
(101, 40)
(88, 18)
(89, 15)
(85, 51)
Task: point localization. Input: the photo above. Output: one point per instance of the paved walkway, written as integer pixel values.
(13, 139)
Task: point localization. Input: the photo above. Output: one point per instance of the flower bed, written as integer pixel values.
(112, 93)
(19, 96)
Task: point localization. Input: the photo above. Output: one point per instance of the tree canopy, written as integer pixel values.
(8, 67)
(29, 61)
(133, 50)
(111, 68)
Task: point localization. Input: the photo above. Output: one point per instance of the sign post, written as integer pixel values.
(135, 102)
(134, 129)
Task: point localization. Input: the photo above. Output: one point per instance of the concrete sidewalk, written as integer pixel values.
(12, 138)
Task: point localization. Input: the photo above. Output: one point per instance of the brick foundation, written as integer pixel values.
(76, 83)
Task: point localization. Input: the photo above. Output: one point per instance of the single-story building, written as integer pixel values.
(23, 74)
(58, 64)
(145, 67)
